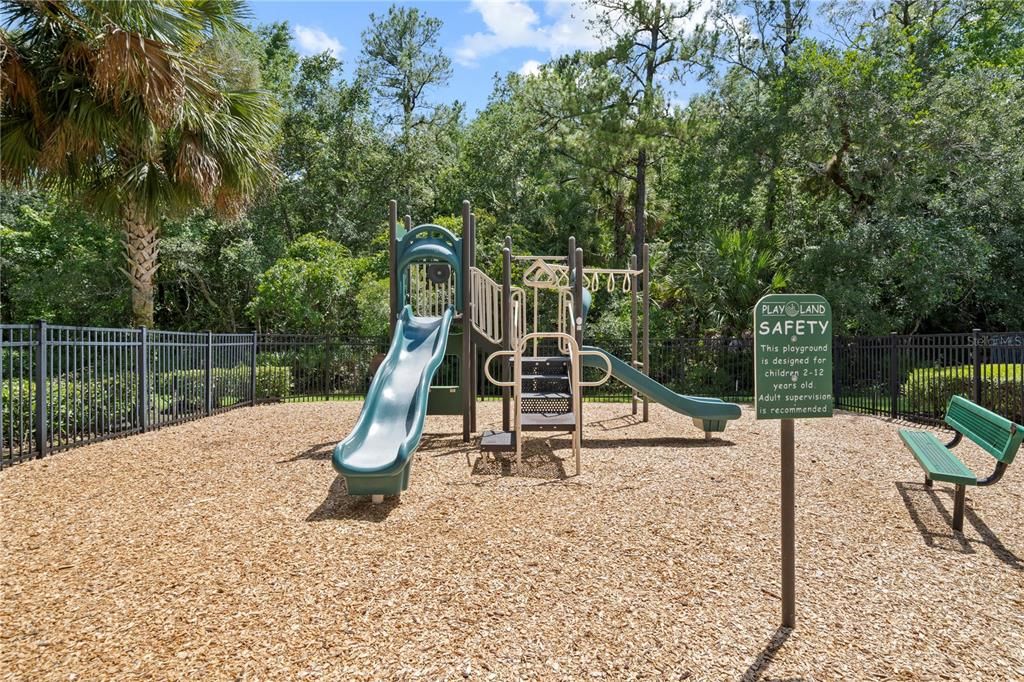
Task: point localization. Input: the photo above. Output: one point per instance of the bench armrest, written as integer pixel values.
(957, 437)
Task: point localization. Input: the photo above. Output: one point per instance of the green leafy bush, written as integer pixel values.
(73, 406)
(273, 381)
(230, 385)
(110, 405)
(928, 390)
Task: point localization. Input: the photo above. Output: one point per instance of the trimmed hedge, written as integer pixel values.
(230, 384)
(110, 405)
(72, 406)
(928, 390)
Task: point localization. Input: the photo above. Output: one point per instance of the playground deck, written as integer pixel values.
(227, 548)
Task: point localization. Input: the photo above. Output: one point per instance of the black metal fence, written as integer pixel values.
(65, 386)
(912, 377)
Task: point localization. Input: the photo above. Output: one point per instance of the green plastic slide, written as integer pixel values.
(376, 457)
(709, 414)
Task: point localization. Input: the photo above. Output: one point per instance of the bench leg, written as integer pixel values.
(928, 482)
(958, 507)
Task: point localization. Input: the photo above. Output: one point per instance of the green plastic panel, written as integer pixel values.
(375, 457)
(936, 459)
(997, 435)
(708, 409)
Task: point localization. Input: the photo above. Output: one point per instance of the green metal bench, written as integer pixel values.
(996, 435)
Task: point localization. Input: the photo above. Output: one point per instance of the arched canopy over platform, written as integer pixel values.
(430, 244)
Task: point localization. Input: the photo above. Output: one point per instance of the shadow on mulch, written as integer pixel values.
(445, 444)
(539, 461)
(314, 452)
(948, 539)
(757, 669)
(656, 442)
(339, 506)
(615, 423)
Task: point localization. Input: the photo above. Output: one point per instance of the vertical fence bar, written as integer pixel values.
(837, 368)
(976, 378)
(143, 381)
(894, 378)
(208, 388)
(252, 370)
(41, 396)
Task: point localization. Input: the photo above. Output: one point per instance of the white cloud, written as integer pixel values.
(514, 24)
(530, 67)
(310, 40)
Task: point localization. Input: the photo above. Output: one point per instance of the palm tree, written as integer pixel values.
(117, 102)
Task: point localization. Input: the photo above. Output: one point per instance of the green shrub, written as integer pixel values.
(928, 390)
(73, 406)
(230, 385)
(110, 405)
(273, 381)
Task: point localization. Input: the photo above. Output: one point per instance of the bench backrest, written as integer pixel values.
(997, 435)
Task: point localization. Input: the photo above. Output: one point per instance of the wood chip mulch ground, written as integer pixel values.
(227, 548)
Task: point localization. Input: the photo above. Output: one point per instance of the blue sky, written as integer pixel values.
(482, 37)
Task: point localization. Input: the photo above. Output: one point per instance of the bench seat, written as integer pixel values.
(996, 435)
(933, 456)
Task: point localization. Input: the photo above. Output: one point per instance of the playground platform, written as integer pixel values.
(228, 548)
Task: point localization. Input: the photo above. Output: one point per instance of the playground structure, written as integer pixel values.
(443, 308)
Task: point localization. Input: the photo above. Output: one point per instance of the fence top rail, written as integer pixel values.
(314, 338)
(77, 328)
(1007, 338)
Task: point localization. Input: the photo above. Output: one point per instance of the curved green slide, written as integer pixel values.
(709, 414)
(376, 457)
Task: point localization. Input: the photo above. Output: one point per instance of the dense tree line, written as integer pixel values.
(871, 153)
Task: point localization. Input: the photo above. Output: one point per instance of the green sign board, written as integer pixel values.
(792, 357)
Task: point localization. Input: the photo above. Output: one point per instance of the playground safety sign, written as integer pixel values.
(792, 357)
(792, 379)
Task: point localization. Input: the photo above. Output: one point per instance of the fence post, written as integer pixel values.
(41, 398)
(976, 352)
(209, 373)
(837, 363)
(894, 371)
(142, 367)
(252, 372)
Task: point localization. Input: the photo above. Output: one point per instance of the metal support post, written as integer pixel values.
(41, 381)
(633, 320)
(506, 329)
(142, 368)
(465, 378)
(393, 265)
(894, 379)
(252, 369)
(788, 526)
(646, 283)
(209, 373)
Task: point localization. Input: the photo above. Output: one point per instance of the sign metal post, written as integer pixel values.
(792, 379)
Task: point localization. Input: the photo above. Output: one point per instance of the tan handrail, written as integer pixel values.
(487, 368)
(564, 341)
(574, 388)
(486, 308)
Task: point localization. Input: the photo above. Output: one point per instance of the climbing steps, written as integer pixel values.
(546, 402)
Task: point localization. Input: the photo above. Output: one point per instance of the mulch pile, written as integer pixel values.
(227, 548)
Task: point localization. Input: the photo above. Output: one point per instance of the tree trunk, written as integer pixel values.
(142, 249)
(651, 66)
(640, 207)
